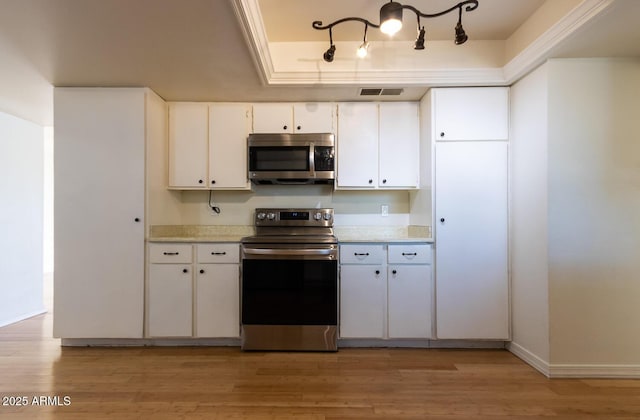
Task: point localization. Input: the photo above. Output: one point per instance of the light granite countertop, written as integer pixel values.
(215, 233)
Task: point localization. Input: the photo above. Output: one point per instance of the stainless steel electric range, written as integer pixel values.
(290, 281)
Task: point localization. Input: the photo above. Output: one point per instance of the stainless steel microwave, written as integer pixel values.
(291, 158)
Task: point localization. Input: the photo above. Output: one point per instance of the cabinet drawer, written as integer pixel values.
(170, 253)
(218, 253)
(410, 254)
(362, 254)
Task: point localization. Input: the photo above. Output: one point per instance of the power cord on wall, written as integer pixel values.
(215, 208)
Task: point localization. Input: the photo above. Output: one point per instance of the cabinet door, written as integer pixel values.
(399, 146)
(188, 144)
(273, 118)
(478, 113)
(314, 117)
(229, 126)
(99, 212)
(362, 301)
(169, 300)
(409, 299)
(218, 300)
(357, 145)
(471, 240)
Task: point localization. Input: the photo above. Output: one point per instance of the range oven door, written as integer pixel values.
(289, 297)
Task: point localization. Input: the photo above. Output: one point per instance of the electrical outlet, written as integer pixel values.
(384, 210)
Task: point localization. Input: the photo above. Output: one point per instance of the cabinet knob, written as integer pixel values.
(442, 220)
(137, 219)
(200, 181)
(284, 127)
(394, 271)
(442, 134)
(299, 127)
(213, 181)
(185, 270)
(201, 271)
(377, 271)
(371, 181)
(384, 181)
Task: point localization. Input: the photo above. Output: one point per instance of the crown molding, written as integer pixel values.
(252, 25)
(540, 49)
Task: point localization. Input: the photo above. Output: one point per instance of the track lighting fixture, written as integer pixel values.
(391, 23)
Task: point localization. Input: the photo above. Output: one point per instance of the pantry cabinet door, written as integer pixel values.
(471, 211)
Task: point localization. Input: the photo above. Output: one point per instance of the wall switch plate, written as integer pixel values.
(384, 210)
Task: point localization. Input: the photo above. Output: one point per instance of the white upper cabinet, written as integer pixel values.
(314, 117)
(399, 146)
(293, 118)
(357, 145)
(208, 145)
(188, 144)
(378, 145)
(229, 126)
(475, 113)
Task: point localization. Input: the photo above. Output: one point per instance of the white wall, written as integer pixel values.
(21, 218)
(594, 211)
(528, 253)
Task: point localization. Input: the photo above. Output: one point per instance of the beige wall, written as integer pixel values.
(594, 211)
(576, 180)
(528, 253)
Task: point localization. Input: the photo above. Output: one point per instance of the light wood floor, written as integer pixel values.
(225, 383)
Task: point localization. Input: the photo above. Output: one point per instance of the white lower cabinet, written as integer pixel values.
(193, 290)
(362, 296)
(385, 291)
(217, 302)
(169, 302)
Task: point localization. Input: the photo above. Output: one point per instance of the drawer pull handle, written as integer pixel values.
(361, 255)
(171, 253)
(219, 253)
(410, 254)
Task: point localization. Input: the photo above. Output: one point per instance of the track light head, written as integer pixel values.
(419, 45)
(391, 18)
(461, 36)
(328, 55)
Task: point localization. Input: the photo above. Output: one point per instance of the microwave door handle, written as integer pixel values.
(312, 160)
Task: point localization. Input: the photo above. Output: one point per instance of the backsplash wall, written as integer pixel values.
(237, 207)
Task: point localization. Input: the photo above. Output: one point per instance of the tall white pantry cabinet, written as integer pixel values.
(99, 210)
(469, 131)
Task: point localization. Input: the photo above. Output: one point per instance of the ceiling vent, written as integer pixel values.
(380, 92)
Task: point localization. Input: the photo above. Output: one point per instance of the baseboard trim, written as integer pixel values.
(142, 342)
(567, 370)
(529, 358)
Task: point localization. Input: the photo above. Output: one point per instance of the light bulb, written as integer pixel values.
(363, 49)
(391, 26)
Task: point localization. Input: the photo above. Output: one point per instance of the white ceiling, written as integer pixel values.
(195, 50)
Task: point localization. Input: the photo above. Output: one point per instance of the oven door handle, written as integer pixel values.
(329, 253)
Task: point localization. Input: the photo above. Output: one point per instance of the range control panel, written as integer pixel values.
(294, 217)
